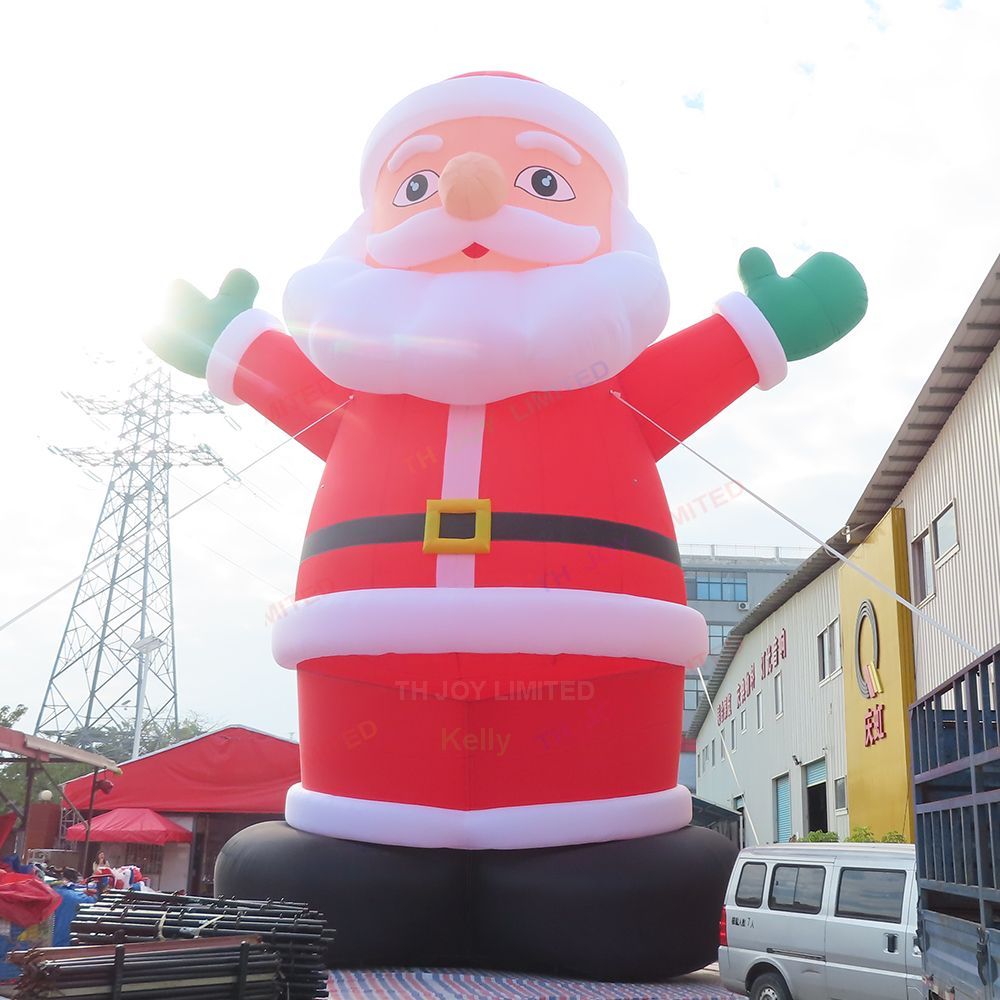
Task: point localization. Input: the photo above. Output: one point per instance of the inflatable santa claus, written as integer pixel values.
(489, 631)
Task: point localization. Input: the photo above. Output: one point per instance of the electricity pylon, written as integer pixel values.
(115, 670)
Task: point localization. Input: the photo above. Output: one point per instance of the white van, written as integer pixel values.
(822, 922)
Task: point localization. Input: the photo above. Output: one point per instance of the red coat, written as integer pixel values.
(523, 695)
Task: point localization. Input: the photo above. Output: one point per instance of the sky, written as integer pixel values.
(143, 142)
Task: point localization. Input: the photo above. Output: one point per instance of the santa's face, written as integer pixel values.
(493, 258)
(492, 194)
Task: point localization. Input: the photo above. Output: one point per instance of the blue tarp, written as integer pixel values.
(72, 897)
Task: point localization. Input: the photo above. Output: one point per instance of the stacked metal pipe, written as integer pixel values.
(297, 935)
(231, 968)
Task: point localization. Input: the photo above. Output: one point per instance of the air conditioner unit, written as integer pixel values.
(744, 605)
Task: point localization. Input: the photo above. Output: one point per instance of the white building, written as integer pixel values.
(723, 582)
(777, 723)
(815, 727)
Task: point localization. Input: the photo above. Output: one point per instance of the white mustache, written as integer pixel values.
(512, 231)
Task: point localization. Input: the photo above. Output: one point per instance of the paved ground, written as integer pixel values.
(469, 984)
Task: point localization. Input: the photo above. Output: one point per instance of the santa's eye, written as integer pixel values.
(544, 183)
(416, 188)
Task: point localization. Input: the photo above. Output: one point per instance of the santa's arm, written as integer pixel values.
(247, 357)
(685, 380)
(255, 361)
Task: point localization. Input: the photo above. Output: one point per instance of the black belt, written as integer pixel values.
(506, 526)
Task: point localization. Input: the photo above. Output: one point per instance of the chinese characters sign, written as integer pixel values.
(867, 673)
(776, 651)
(874, 725)
(770, 660)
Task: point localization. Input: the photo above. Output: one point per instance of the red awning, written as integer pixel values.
(233, 770)
(131, 826)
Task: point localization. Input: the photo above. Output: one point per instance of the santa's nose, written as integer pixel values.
(472, 186)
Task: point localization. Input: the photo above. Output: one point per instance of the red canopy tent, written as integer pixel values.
(131, 826)
(233, 770)
(220, 783)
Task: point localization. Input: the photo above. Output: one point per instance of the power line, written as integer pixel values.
(239, 472)
(912, 608)
(240, 521)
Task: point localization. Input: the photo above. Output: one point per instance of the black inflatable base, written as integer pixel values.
(639, 910)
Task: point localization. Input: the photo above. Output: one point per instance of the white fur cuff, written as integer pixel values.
(229, 349)
(758, 337)
(548, 824)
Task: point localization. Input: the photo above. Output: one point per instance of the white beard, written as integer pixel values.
(476, 337)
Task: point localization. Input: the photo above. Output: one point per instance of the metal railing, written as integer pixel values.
(797, 552)
(955, 740)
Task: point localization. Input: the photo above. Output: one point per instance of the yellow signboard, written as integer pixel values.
(878, 680)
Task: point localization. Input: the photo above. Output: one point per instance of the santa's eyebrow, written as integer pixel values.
(415, 144)
(551, 144)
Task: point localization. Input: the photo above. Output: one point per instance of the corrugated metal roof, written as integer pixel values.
(973, 342)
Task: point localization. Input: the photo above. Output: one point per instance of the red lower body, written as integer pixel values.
(480, 731)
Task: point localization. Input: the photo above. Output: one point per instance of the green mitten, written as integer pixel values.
(194, 322)
(820, 302)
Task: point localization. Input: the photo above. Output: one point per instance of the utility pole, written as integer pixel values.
(116, 669)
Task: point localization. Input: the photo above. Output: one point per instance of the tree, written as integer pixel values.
(116, 743)
(11, 775)
(11, 714)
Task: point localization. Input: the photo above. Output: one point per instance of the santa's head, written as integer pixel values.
(495, 255)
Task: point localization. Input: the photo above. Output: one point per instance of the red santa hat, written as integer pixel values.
(499, 95)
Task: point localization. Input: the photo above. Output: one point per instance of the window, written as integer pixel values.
(760, 711)
(923, 567)
(690, 694)
(713, 753)
(945, 532)
(743, 721)
(732, 734)
(797, 887)
(828, 643)
(750, 888)
(717, 636)
(704, 585)
(840, 793)
(871, 894)
(779, 697)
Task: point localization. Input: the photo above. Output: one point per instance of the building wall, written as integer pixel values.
(811, 726)
(764, 572)
(878, 680)
(872, 691)
(963, 465)
(176, 860)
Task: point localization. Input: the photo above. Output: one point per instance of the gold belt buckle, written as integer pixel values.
(478, 542)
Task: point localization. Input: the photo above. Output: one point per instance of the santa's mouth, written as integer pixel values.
(475, 250)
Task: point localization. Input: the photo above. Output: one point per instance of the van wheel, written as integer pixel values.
(770, 986)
